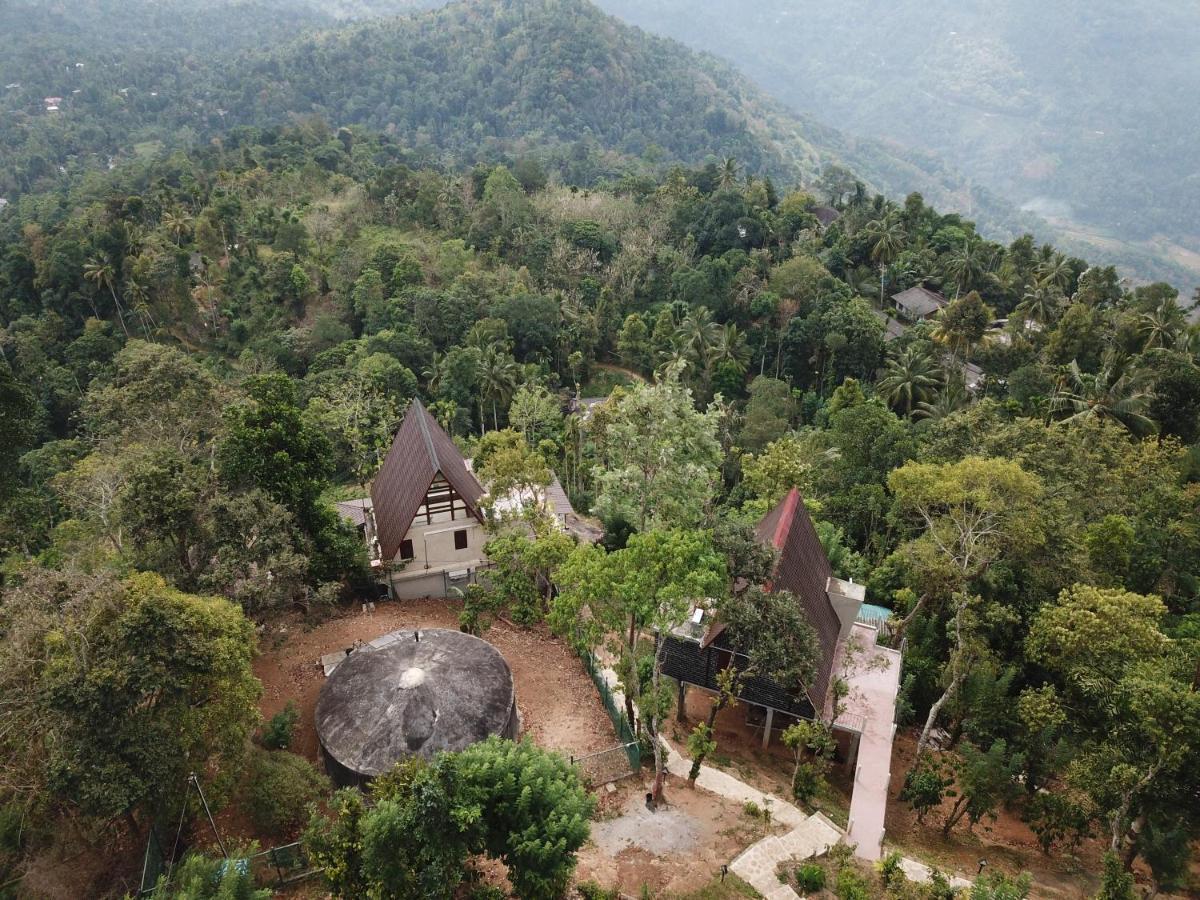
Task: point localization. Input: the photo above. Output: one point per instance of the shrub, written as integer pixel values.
(810, 878)
(280, 728)
(851, 885)
(890, 872)
(589, 890)
(280, 787)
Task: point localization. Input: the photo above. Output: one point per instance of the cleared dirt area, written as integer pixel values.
(675, 850)
(559, 706)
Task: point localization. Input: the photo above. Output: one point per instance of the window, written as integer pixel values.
(406, 549)
(460, 539)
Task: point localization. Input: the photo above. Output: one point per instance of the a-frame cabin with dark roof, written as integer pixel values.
(424, 525)
(697, 651)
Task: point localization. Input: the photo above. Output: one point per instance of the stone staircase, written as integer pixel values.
(758, 863)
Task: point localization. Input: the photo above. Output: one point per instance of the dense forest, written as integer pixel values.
(553, 79)
(197, 346)
(1079, 112)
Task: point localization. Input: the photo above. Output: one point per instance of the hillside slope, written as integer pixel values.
(473, 80)
(1081, 111)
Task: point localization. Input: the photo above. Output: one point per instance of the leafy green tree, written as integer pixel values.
(122, 688)
(985, 780)
(536, 413)
(769, 413)
(660, 457)
(270, 446)
(335, 844)
(962, 324)
(634, 345)
(1135, 714)
(510, 800)
(279, 789)
(612, 597)
(970, 513)
(197, 877)
(771, 638)
(534, 810)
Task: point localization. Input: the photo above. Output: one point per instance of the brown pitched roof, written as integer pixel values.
(803, 568)
(420, 451)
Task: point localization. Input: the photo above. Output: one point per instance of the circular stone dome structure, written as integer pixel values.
(412, 693)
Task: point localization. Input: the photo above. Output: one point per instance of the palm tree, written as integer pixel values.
(952, 397)
(729, 346)
(435, 372)
(887, 240)
(729, 173)
(1041, 303)
(498, 376)
(1054, 270)
(967, 265)
(139, 301)
(1163, 325)
(1112, 394)
(696, 335)
(909, 379)
(101, 272)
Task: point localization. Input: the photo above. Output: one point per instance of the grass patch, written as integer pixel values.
(717, 889)
(602, 382)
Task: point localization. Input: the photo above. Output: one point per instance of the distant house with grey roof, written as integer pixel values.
(919, 303)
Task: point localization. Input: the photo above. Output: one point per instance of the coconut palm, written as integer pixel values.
(967, 265)
(1112, 394)
(139, 301)
(1042, 303)
(729, 346)
(909, 379)
(101, 272)
(1054, 270)
(499, 375)
(887, 241)
(952, 397)
(1162, 326)
(696, 335)
(729, 173)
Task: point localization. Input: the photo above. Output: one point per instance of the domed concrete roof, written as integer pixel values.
(423, 693)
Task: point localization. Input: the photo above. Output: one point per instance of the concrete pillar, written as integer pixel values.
(681, 703)
(767, 725)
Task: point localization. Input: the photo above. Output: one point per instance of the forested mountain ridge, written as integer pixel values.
(198, 353)
(471, 81)
(1082, 112)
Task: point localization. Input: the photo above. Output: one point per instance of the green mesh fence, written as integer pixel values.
(615, 711)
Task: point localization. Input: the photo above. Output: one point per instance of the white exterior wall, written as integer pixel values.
(433, 547)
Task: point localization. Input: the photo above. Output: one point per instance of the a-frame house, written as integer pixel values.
(423, 525)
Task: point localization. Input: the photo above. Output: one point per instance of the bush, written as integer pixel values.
(280, 728)
(280, 787)
(589, 890)
(810, 878)
(851, 885)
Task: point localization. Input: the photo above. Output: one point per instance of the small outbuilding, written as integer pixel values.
(412, 693)
(919, 303)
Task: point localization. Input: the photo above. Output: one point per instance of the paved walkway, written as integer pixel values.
(872, 676)
(757, 864)
(810, 835)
